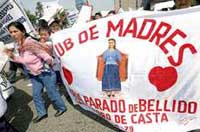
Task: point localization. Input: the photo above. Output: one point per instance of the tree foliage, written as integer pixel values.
(195, 2)
(31, 17)
(39, 9)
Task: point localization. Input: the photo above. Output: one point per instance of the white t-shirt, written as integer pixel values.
(3, 105)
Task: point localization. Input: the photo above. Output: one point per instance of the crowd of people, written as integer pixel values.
(39, 63)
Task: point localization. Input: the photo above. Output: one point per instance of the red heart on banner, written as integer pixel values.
(163, 78)
(68, 75)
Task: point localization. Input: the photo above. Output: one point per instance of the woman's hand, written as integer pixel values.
(6, 50)
(50, 62)
(9, 53)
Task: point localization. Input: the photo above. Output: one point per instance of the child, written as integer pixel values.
(45, 33)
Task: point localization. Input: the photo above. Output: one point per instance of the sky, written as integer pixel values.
(98, 5)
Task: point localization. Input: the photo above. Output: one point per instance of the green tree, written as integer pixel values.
(31, 17)
(195, 2)
(39, 10)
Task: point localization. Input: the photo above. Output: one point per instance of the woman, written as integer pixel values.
(33, 55)
(111, 80)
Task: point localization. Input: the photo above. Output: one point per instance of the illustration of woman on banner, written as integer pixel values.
(108, 69)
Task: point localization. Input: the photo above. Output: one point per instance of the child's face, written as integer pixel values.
(44, 35)
(55, 27)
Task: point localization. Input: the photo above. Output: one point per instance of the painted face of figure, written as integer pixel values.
(111, 44)
(55, 27)
(180, 4)
(44, 36)
(16, 33)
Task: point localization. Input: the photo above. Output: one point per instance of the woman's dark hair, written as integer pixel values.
(19, 26)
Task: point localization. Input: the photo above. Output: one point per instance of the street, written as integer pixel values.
(21, 112)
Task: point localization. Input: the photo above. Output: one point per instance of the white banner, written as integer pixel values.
(84, 15)
(3, 56)
(11, 10)
(158, 69)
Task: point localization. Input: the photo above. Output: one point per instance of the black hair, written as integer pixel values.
(44, 28)
(98, 14)
(55, 21)
(21, 27)
(42, 23)
(111, 12)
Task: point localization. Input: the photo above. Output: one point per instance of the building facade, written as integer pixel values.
(127, 4)
(135, 4)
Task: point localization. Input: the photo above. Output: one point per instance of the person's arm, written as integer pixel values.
(46, 57)
(27, 57)
(40, 53)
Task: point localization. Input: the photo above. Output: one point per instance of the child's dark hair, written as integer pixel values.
(45, 28)
(56, 20)
(42, 23)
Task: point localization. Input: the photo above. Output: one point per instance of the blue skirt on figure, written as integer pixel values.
(111, 79)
